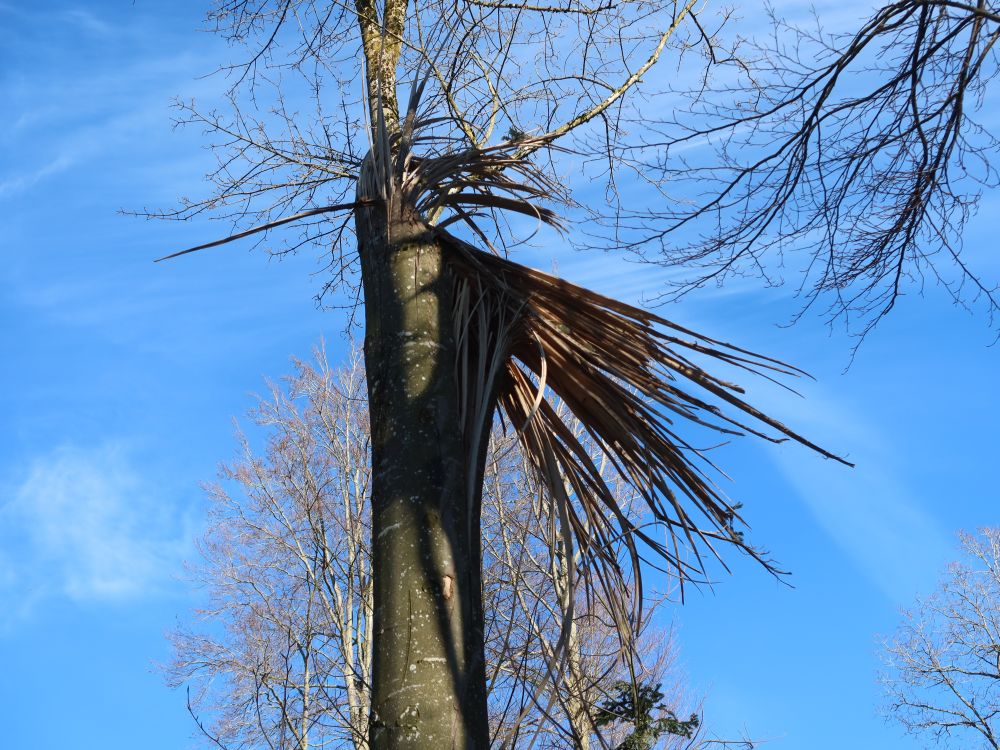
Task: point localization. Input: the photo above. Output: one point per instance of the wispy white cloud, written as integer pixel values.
(871, 512)
(111, 131)
(85, 20)
(85, 525)
(21, 182)
(80, 18)
(74, 107)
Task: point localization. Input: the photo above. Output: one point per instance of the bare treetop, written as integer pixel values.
(849, 162)
(512, 77)
(532, 67)
(866, 151)
(466, 109)
(438, 127)
(942, 676)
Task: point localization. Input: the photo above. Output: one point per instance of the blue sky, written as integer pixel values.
(120, 379)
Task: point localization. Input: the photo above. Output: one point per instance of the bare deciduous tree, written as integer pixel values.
(537, 697)
(942, 675)
(437, 127)
(863, 153)
(283, 656)
(283, 659)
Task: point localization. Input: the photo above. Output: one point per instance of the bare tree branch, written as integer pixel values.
(942, 668)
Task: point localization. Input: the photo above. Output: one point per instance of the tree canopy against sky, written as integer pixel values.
(111, 73)
(942, 666)
(849, 159)
(452, 331)
(281, 654)
(855, 156)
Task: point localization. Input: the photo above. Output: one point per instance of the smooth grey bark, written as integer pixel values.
(428, 671)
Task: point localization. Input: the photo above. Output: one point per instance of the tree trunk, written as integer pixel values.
(428, 673)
